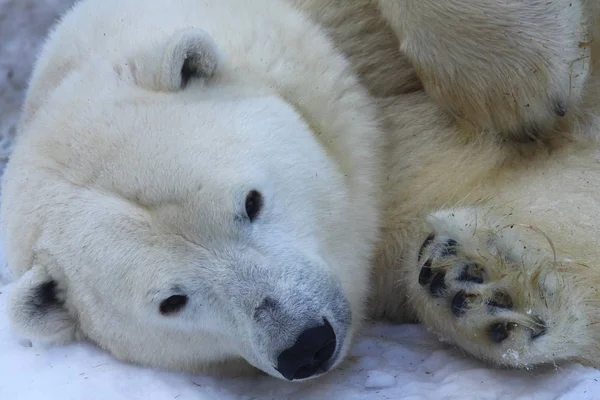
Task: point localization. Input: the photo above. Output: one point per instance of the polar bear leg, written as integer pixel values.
(485, 287)
(513, 68)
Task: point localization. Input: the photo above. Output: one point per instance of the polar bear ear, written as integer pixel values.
(189, 53)
(37, 309)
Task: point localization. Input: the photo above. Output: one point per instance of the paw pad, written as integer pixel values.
(500, 299)
(460, 303)
(472, 272)
(500, 331)
(438, 284)
(425, 274)
(450, 248)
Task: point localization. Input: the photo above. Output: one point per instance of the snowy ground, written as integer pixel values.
(389, 362)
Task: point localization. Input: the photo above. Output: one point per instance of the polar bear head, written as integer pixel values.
(180, 215)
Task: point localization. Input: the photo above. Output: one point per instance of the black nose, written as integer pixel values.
(308, 356)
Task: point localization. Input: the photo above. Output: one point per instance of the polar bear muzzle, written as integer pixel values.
(300, 329)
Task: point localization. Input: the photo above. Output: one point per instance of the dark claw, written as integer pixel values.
(500, 331)
(450, 248)
(472, 272)
(426, 243)
(425, 274)
(540, 329)
(459, 303)
(438, 284)
(500, 300)
(560, 109)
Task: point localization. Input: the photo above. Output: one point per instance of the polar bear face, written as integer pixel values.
(182, 224)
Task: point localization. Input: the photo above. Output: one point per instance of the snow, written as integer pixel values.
(387, 361)
(379, 380)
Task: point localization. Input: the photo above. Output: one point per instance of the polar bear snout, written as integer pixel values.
(306, 347)
(310, 354)
(302, 328)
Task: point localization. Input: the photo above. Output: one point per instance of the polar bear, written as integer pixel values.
(209, 185)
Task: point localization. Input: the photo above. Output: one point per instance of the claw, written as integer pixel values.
(426, 243)
(540, 329)
(560, 109)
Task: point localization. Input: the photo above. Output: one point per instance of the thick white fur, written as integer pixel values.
(126, 186)
(501, 67)
(128, 211)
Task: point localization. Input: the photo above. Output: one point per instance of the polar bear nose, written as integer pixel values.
(309, 354)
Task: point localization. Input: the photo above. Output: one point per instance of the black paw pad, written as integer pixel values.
(425, 274)
(540, 329)
(500, 331)
(472, 272)
(460, 303)
(426, 243)
(438, 284)
(500, 299)
(450, 248)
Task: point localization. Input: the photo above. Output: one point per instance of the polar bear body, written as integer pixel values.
(197, 183)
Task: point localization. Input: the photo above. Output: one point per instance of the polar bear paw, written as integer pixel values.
(481, 287)
(470, 293)
(510, 68)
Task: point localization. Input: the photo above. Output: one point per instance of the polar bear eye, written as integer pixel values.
(173, 304)
(254, 202)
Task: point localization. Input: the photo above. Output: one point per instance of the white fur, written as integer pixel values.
(127, 186)
(49, 323)
(500, 66)
(179, 226)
